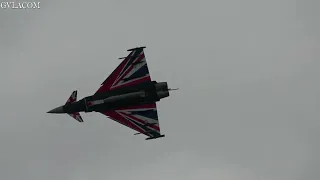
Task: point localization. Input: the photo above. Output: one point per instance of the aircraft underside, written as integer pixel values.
(127, 96)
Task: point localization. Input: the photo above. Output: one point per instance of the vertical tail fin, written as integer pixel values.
(72, 99)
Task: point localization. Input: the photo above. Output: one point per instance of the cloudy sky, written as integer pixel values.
(247, 108)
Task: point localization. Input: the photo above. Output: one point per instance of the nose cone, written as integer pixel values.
(57, 110)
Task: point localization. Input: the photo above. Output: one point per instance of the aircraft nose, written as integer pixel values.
(57, 110)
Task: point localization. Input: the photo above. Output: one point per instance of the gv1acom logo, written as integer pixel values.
(20, 5)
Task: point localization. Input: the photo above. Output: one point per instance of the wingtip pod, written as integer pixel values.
(156, 137)
(132, 49)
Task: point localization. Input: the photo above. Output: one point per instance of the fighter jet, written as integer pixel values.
(127, 96)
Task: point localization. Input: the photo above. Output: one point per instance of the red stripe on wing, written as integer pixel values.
(134, 82)
(154, 126)
(118, 118)
(106, 85)
(128, 70)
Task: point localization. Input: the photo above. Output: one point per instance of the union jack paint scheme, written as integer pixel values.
(127, 96)
(131, 71)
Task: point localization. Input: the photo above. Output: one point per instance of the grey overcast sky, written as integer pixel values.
(247, 108)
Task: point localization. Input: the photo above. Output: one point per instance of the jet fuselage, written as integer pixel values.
(144, 93)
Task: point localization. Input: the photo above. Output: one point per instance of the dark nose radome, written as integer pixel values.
(56, 110)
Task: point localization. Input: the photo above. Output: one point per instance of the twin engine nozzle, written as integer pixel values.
(162, 89)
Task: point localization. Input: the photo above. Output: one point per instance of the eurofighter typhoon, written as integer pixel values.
(127, 96)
